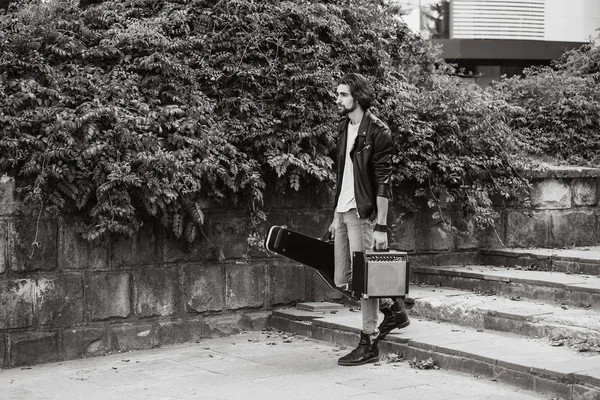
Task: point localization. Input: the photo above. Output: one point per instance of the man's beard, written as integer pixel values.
(343, 111)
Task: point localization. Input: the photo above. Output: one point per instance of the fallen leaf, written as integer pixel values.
(424, 364)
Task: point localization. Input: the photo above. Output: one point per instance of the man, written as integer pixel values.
(364, 151)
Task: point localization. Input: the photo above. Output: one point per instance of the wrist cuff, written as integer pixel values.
(380, 228)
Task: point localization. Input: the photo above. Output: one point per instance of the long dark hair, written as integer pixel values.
(360, 89)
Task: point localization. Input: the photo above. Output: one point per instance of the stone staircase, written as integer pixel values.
(530, 318)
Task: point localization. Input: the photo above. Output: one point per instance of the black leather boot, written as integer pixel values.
(366, 352)
(393, 317)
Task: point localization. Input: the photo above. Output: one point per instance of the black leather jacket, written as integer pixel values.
(372, 161)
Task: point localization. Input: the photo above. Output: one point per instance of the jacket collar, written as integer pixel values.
(364, 124)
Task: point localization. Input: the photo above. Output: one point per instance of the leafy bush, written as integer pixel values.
(127, 111)
(104, 116)
(555, 111)
(582, 61)
(455, 150)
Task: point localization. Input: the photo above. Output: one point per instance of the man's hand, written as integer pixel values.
(332, 227)
(380, 240)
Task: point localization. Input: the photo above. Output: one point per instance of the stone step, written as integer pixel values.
(576, 260)
(551, 287)
(527, 363)
(576, 328)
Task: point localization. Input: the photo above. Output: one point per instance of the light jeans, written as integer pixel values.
(355, 234)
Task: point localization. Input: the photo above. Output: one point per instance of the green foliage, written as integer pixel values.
(103, 116)
(555, 112)
(584, 60)
(455, 149)
(123, 111)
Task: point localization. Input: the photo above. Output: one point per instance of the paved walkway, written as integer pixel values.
(254, 365)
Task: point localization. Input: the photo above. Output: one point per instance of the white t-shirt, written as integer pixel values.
(346, 200)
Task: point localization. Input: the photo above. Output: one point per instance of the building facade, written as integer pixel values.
(490, 38)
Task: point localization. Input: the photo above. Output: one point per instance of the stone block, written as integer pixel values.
(245, 286)
(222, 325)
(132, 337)
(285, 324)
(584, 298)
(527, 228)
(324, 198)
(60, 300)
(181, 251)
(520, 327)
(418, 260)
(232, 324)
(491, 237)
(551, 194)
(558, 388)
(431, 235)
(224, 234)
(326, 334)
(470, 236)
(287, 282)
(312, 223)
(520, 379)
(3, 358)
(16, 301)
(84, 342)
(581, 392)
(318, 306)
(138, 250)
(403, 235)
(74, 252)
(467, 238)
(203, 288)
(453, 258)
(276, 217)
(292, 200)
(229, 232)
(451, 362)
(33, 348)
(156, 292)
(7, 195)
(108, 295)
(5, 249)
(175, 332)
(585, 192)
(317, 289)
(34, 245)
(256, 320)
(574, 228)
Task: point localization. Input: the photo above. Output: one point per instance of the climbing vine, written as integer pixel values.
(120, 112)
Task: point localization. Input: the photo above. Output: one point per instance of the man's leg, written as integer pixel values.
(394, 316)
(360, 237)
(342, 256)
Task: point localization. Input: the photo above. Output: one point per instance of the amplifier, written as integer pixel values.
(380, 274)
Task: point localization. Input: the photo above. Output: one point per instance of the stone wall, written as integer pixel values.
(564, 213)
(64, 298)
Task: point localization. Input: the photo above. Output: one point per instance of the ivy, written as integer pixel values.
(554, 111)
(120, 112)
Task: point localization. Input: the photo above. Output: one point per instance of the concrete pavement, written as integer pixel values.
(252, 365)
